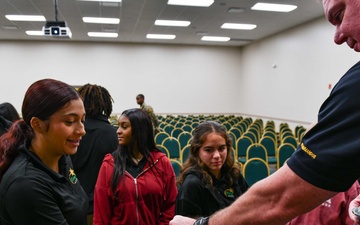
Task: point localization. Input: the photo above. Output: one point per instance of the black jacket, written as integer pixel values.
(33, 194)
(100, 139)
(195, 199)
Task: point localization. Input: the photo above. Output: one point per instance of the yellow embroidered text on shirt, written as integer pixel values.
(308, 151)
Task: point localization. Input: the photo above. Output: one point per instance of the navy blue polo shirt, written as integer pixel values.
(31, 193)
(329, 155)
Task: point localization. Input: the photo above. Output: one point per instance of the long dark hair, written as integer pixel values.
(42, 99)
(230, 168)
(97, 100)
(142, 139)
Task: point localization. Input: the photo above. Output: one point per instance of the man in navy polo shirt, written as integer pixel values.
(328, 159)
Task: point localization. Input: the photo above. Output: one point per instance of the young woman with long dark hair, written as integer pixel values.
(136, 184)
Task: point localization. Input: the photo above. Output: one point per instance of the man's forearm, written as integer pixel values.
(272, 201)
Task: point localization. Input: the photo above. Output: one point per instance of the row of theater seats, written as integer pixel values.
(260, 149)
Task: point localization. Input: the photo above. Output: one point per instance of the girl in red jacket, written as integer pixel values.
(136, 184)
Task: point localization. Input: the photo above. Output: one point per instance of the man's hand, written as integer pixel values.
(354, 204)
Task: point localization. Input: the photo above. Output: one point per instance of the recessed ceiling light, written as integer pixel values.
(273, 7)
(238, 26)
(160, 36)
(109, 30)
(174, 23)
(35, 32)
(202, 33)
(101, 20)
(102, 34)
(215, 38)
(200, 3)
(25, 18)
(10, 27)
(235, 10)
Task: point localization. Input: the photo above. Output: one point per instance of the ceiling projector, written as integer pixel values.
(56, 29)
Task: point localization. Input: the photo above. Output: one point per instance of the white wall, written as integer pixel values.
(180, 79)
(307, 61)
(192, 79)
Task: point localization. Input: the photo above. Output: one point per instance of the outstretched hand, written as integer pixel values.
(181, 220)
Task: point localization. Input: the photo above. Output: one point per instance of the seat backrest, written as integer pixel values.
(159, 137)
(187, 128)
(164, 150)
(242, 126)
(284, 152)
(162, 124)
(184, 138)
(252, 136)
(194, 125)
(269, 133)
(256, 131)
(290, 140)
(179, 124)
(227, 125)
(256, 151)
(173, 145)
(242, 145)
(176, 165)
(176, 131)
(269, 144)
(169, 128)
(185, 153)
(299, 134)
(255, 169)
(286, 134)
(236, 131)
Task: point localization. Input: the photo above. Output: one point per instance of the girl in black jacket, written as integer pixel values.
(210, 179)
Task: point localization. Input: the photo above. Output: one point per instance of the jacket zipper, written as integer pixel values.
(137, 202)
(137, 190)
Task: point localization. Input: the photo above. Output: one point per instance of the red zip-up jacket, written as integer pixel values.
(148, 199)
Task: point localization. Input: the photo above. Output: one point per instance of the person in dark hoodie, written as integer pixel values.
(100, 139)
(210, 179)
(8, 111)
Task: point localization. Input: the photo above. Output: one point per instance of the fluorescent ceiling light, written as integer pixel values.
(102, 34)
(101, 20)
(25, 18)
(273, 7)
(238, 26)
(236, 10)
(10, 27)
(160, 36)
(175, 23)
(100, 0)
(215, 38)
(35, 32)
(200, 3)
